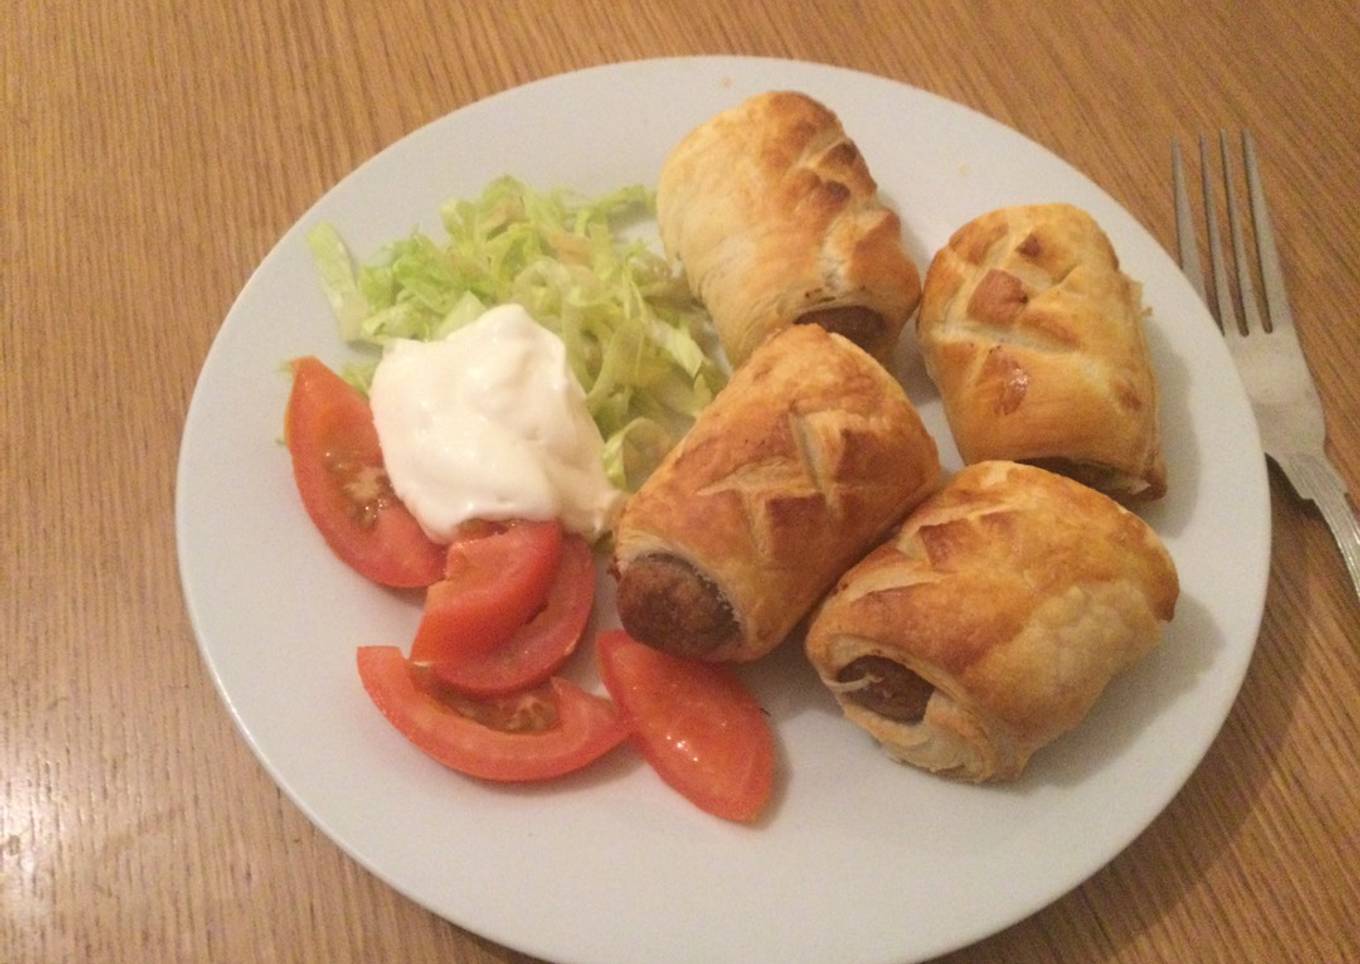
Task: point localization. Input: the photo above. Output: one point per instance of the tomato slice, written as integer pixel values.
(536, 650)
(339, 471)
(546, 733)
(695, 723)
(496, 579)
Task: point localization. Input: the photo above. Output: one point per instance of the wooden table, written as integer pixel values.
(150, 155)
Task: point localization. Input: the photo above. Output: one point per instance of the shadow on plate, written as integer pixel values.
(1201, 823)
(786, 684)
(1180, 444)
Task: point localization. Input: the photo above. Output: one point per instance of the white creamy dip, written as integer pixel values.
(490, 423)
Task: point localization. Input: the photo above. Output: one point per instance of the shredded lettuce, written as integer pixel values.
(639, 344)
(337, 279)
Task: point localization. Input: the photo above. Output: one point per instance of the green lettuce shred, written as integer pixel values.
(640, 345)
(348, 301)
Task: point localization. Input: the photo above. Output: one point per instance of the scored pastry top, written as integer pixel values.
(772, 211)
(1016, 594)
(808, 455)
(1035, 339)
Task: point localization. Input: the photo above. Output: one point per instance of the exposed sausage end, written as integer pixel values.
(855, 322)
(890, 689)
(666, 603)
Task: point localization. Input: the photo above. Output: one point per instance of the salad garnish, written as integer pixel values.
(638, 342)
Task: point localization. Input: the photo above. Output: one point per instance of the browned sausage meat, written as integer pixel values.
(1102, 478)
(861, 325)
(892, 690)
(664, 601)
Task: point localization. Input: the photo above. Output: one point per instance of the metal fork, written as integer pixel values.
(1268, 357)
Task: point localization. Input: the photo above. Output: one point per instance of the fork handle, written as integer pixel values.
(1316, 479)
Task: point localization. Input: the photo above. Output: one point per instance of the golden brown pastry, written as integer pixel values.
(807, 457)
(1035, 339)
(992, 620)
(772, 211)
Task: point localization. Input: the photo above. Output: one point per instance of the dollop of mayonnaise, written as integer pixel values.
(490, 423)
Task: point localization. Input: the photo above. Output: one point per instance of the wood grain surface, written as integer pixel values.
(150, 155)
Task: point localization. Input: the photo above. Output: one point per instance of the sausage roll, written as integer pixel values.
(808, 456)
(992, 620)
(1035, 339)
(772, 212)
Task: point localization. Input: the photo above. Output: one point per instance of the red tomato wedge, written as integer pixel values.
(695, 723)
(495, 581)
(534, 736)
(338, 467)
(536, 650)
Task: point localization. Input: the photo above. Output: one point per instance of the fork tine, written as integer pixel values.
(1185, 226)
(1227, 313)
(1251, 313)
(1272, 276)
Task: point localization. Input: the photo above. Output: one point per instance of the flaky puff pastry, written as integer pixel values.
(992, 620)
(772, 212)
(1035, 339)
(809, 455)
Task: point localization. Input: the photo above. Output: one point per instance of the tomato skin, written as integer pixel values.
(695, 723)
(536, 650)
(495, 581)
(587, 727)
(333, 445)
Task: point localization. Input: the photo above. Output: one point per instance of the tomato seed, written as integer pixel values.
(367, 487)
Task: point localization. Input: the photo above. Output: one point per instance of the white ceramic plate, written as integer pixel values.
(860, 859)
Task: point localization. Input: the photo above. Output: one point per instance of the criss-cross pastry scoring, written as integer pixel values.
(992, 620)
(804, 460)
(772, 211)
(1035, 339)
